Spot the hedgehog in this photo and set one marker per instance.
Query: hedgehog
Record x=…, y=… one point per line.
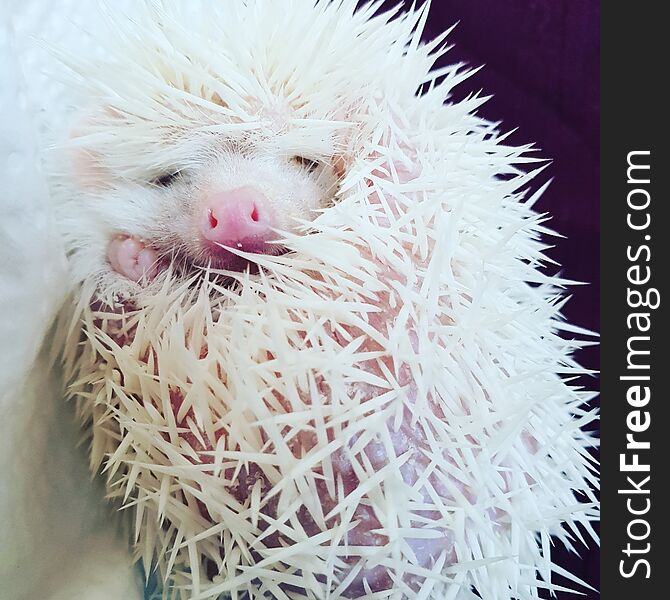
x=310, y=339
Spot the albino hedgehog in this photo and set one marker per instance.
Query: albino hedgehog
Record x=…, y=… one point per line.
x=311, y=340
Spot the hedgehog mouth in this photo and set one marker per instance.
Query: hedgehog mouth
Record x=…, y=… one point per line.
x=141, y=261
x=243, y=258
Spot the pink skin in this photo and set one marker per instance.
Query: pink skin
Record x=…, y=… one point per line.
x=132, y=259
x=239, y=218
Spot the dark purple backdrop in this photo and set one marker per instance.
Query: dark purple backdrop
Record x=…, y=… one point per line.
x=542, y=63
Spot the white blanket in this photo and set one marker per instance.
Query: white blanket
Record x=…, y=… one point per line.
x=57, y=541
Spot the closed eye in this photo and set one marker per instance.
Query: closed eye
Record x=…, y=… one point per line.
x=166, y=179
x=306, y=163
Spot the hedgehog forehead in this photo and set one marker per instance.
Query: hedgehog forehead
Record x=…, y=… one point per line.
x=286, y=77
x=178, y=133
x=135, y=148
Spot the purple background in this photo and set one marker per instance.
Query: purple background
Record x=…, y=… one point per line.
x=542, y=62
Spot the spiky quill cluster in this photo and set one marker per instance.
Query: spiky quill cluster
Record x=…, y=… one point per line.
x=383, y=412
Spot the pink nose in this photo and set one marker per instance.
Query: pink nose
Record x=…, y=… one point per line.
x=239, y=218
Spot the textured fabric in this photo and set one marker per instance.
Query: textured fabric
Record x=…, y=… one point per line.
x=56, y=544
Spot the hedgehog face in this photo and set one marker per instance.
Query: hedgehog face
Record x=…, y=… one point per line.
x=194, y=149
x=234, y=199
x=196, y=196
x=224, y=200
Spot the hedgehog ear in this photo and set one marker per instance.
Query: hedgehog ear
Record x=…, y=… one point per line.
x=85, y=160
x=88, y=169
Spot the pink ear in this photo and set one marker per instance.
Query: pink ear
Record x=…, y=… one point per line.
x=88, y=171
x=86, y=162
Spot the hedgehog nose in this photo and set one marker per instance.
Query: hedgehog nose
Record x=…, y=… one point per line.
x=239, y=218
